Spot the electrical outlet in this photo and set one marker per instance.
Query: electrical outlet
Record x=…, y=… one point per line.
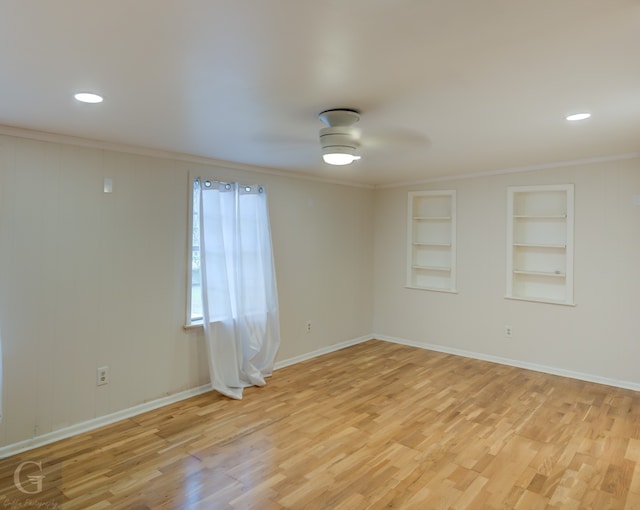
x=102, y=376
x=308, y=327
x=508, y=331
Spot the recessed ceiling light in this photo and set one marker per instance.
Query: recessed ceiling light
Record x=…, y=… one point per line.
x=88, y=97
x=579, y=116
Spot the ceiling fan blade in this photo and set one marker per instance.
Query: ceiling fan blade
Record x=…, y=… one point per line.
x=398, y=138
x=281, y=139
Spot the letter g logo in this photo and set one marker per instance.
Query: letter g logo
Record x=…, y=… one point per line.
x=33, y=479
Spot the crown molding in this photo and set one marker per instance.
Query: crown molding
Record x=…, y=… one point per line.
x=515, y=170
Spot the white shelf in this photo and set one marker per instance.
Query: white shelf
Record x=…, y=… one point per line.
x=540, y=217
x=434, y=289
x=540, y=243
x=536, y=245
x=540, y=273
x=540, y=300
x=431, y=240
x=433, y=268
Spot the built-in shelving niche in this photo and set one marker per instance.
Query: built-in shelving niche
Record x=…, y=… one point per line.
x=431, y=240
x=540, y=243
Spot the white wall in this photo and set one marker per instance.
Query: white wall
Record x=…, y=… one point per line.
x=600, y=336
x=90, y=279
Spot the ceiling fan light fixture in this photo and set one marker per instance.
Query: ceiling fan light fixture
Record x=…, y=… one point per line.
x=333, y=157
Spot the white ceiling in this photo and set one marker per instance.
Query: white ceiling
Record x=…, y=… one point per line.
x=445, y=87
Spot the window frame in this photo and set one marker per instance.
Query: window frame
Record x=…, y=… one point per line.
x=189, y=320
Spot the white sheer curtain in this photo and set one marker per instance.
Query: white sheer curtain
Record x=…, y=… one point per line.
x=1, y=376
x=239, y=294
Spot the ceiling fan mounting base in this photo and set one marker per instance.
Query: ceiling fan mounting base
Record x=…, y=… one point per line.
x=339, y=117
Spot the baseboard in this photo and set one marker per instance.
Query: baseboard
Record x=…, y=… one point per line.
x=101, y=421
x=88, y=425
x=515, y=363
x=324, y=350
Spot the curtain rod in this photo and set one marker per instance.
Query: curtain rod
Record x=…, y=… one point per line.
x=207, y=184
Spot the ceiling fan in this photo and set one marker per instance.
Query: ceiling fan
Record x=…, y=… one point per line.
x=342, y=143
x=339, y=139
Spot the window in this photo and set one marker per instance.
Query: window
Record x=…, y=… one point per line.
x=237, y=247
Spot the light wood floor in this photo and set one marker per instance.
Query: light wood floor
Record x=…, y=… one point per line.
x=377, y=425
